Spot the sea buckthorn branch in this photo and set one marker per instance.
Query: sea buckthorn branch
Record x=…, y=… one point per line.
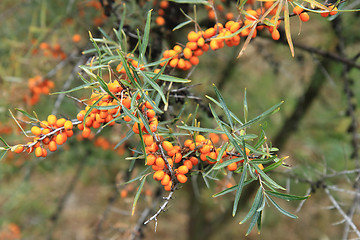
x=128, y=99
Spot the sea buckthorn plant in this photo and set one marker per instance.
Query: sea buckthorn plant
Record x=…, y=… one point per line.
x=130, y=83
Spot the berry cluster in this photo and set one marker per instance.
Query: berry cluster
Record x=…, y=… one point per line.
x=50, y=134
x=38, y=85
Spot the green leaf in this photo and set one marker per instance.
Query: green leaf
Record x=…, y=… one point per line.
x=231, y=139
x=232, y=114
x=254, y=220
x=168, y=78
x=287, y=28
x=231, y=189
x=146, y=124
x=239, y=189
x=265, y=114
x=128, y=113
x=223, y=106
x=26, y=114
x=1, y=139
x=182, y=25
x=2, y=155
x=286, y=213
x=274, y=165
x=227, y=162
x=155, y=86
x=138, y=195
x=257, y=202
x=287, y=197
x=86, y=85
x=267, y=178
x=200, y=129
x=145, y=39
x=245, y=107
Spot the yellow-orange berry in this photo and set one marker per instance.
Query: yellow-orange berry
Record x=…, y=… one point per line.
x=60, y=122
x=193, y=36
x=36, y=130
x=52, y=146
x=159, y=175
x=181, y=178
x=68, y=125
x=38, y=152
x=232, y=166
x=150, y=160
x=304, y=17
x=52, y=120
x=275, y=34
x=187, y=53
x=19, y=149
x=166, y=180
x=297, y=10
x=200, y=138
x=160, y=162
x=76, y=38
x=183, y=169
x=167, y=146
x=160, y=21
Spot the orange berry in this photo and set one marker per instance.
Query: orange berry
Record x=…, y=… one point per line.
x=160, y=162
x=177, y=157
x=194, y=160
x=59, y=139
x=29, y=149
x=183, y=169
x=275, y=34
x=194, y=60
x=80, y=115
x=52, y=146
x=86, y=132
x=51, y=120
x=44, y=152
x=76, y=38
x=167, y=146
x=168, y=187
x=150, y=159
x=187, y=53
x=188, y=164
x=159, y=175
x=123, y=193
x=19, y=149
x=205, y=149
x=232, y=166
x=214, y=138
x=181, y=178
x=297, y=10
x=229, y=16
x=160, y=21
x=304, y=17
x=166, y=180
x=148, y=139
x=60, y=122
x=200, y=138
x=36, y=130
x=68, y=125
x=150, y=113
x=209, y=32
x=334, y=11
x=38, y=152
x=188, y=142
x=164, y=4
x=193, y=36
